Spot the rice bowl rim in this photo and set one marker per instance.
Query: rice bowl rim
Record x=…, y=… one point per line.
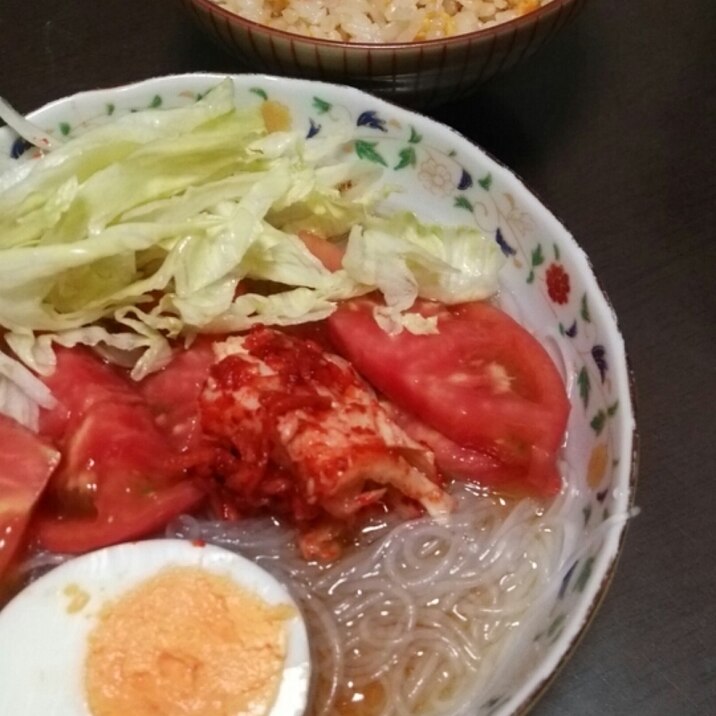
x=385, y=47
x=546, y=670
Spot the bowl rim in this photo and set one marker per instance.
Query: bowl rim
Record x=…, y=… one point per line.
x=543, y=686
x=534, y=686
x=532, y=17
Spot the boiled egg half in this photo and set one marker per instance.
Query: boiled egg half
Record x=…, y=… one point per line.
x=162, y=628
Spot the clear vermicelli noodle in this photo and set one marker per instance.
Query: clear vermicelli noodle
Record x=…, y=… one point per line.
x=417, y=617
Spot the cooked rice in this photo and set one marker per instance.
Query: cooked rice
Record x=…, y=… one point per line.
x=380, y=20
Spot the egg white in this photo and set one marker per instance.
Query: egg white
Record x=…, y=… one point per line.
x=43, y=646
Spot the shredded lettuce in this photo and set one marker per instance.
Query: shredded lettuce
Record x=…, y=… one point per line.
x=405, y=258
x=21, y=393
x=147, y=228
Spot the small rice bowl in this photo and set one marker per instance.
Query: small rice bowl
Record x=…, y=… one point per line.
x=380, y=21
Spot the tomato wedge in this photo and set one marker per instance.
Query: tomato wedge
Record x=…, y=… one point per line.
x=26, y=463
x=330, y=255
x=482, y=381
x=120, y=518
x=119, y=478
x=464, y=463
x=124, y=464
x=173, y=394
x=79, y=381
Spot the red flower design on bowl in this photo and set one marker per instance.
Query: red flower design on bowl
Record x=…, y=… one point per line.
x=558, y=283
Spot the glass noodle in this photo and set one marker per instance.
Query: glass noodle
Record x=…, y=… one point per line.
x=418, y=617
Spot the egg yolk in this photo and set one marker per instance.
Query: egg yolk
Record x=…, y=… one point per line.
x=77, y=597
x=186, y=642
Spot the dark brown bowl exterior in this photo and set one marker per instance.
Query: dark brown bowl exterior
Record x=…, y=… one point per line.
x=415, y=74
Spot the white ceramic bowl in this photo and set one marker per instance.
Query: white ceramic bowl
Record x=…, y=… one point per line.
x=548, y=281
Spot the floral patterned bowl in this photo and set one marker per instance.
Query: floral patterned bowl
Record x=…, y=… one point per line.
x=416, y=74
x=547, y=282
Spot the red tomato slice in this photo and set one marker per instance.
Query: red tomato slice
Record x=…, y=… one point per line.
x=119, y=477
x=113, y=444
x=102, y=427
x=26, y=463
x=330, y=255
x=81, y=380
x=173, y=394
x=482, y=381
x=466, y=463
x=120, y=518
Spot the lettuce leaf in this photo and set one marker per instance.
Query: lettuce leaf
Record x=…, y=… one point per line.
x=29, y=190
x=405, y=258
x=21, y=393
x=167, y=223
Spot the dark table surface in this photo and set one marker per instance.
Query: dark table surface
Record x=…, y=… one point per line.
x=614, y=126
